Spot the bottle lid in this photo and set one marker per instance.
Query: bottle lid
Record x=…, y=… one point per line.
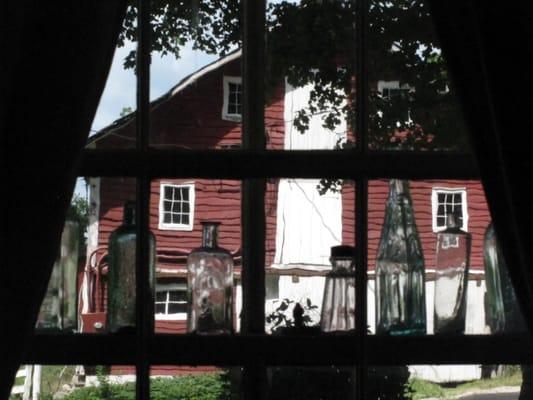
x=343, y=251
x=207, y=222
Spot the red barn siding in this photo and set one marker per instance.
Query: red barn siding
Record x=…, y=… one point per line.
x=479, y=216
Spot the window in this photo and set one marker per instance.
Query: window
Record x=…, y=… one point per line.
x=446, y=201
x=176, y=206
x=254, y=165
x=171, y=301
x=232, y=106
x=391, y=89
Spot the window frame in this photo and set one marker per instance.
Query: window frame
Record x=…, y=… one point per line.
x=192, y=198
x=168, y=287
x=435, y=191
x=226, y=115
x=252, y=350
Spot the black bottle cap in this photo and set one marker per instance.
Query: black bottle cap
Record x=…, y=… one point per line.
x=343, y=251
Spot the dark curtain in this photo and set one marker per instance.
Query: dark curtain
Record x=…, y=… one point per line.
x=489, y=47
x=55, y=57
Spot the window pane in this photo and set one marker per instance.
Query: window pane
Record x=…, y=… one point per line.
x=311, y=383
x=195, y=50
x=113, y=126
x=74, y=382
x=469, y=382
x=462, y=284
x=305, y=218
x=207, y=200
x=405, y=55
x=309, y=83
x=94, y=270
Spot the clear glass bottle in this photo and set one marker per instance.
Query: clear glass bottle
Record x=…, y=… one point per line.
x=501, y=307
x=59, y=308
x=451, y=281
x=338, y=304
x=121, y=291
x=400, y=274
x=210, y=285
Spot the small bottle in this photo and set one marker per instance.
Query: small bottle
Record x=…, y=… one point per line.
x=121, y=288
x=400, y=272
x=338, y=304
x=210, y=285
x=451, y=281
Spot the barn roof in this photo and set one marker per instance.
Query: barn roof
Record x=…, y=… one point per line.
x=181, y=85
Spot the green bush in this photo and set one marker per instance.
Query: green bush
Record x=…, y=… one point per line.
x=212, y=386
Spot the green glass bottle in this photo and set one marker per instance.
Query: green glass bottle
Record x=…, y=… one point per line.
x=501, y=307
x=121, y=289
x=400, y=273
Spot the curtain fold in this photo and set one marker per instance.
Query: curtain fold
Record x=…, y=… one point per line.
x=55, y=61
x=488, y=46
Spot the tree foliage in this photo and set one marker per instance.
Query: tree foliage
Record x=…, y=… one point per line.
x=313, y=42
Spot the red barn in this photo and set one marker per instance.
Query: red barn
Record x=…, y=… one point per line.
x=203, y=111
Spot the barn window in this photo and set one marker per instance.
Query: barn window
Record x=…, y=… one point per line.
x=176, y=207
x=391, y=89
x=171, y=300
x=232, y=107
x=447, y=201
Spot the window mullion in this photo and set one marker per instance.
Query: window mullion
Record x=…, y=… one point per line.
x=144, y=300
x=361, y=193
x=253, y=196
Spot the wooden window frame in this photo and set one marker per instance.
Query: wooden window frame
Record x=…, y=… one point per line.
x=435, y=204
x=226, y=115
x=192, y=198
x=252, y=349
x=168, y=287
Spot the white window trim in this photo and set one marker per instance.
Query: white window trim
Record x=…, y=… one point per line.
x=225, y=115
x=434, y=206
x=165, y=288
x=176, y=227
x=391, y=85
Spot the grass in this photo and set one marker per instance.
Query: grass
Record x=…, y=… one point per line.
x=423, y=389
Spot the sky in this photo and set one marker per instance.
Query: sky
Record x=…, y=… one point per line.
x=165, y=72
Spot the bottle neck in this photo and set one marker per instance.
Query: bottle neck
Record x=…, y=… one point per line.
x=129, y=214
x=210, y=235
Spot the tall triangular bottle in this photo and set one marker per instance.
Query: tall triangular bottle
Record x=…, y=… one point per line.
x=400, y=272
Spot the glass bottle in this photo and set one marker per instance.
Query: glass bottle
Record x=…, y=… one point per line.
x=400, y=274
x=451, y=281
x=59, y=308
x=121, y=291
x=338, y=304
x=501, y=307
x=210, y=285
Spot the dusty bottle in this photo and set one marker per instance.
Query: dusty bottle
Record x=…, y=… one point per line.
x=210, y=285
x=338, y=304
x=121, y=289
x=451, y=281
x=400, y=274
